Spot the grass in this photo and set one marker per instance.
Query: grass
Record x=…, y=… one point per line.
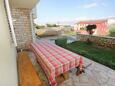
x=61, y=41
x=104, y=56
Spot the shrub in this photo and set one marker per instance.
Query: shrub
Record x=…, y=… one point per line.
x=112, y=32
x=82, y=28
x=90, y=28
x=52, y=25
x=39, y=26
x=61, y=42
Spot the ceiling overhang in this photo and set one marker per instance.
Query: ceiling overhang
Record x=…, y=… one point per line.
x=23, y=3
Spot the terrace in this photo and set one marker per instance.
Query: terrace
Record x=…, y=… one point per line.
x=97, y=74
x=16, y=21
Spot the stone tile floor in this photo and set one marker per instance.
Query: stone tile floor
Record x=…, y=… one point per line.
x=95, y=75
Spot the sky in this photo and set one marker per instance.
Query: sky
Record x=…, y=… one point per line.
x=51, y=11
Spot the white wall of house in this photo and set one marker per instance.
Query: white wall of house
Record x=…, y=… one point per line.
x=8, y=66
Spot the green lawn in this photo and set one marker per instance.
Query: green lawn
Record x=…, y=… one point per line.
x=102, y=55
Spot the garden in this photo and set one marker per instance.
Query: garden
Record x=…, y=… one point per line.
x=91, y=50
x=99, y=54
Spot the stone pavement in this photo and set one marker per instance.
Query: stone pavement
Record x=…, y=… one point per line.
x=95, y=75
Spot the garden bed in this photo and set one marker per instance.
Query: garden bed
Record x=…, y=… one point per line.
x=104, y=56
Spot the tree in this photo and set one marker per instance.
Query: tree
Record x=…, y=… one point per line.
x=89, y=29
x=39, y=26
x=112, y=32
x=52, y=25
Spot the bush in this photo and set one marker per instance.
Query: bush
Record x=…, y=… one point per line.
x=39, y=26
x=112, y=32
x=90, y=28
x=61, y=42
x=82, y=28
x=52, y=25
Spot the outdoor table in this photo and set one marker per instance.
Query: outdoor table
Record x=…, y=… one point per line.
x=55, y=60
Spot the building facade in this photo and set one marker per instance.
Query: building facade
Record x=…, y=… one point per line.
x=16, y=23
x=101, y=30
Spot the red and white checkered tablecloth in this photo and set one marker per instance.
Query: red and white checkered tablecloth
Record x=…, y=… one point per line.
x=54, y=59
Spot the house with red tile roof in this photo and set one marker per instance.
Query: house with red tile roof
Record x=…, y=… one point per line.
x=102, y=27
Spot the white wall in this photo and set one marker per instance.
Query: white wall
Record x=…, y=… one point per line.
x=8, y=67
